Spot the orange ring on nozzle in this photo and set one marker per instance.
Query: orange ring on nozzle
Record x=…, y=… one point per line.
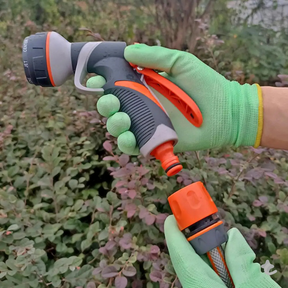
x=170, y=162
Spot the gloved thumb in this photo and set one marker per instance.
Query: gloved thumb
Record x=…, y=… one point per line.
x=239, y=258
x=159, y=58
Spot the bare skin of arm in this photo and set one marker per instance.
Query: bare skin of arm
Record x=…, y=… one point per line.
x=275, y=113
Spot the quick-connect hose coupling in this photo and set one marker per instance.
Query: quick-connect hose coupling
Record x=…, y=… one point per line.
x=197, y=218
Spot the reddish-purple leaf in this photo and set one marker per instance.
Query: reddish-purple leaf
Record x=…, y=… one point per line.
x=179, y=179
x=91, y=285
x=123, y=159
x=110, y=245
x=143, y=213
x=155, y=276
x=103, y=250
x=142, y=171
x=107, y=146
x=251, y=218
x=120, y=183
x=144, y=181
x=154, y=249
x=120, y=173
x=150, y=186
x=279, y=181
x=258, y=150
x=271, y=175
x=125, y=243
x=132, y=194
x=127, y=236
x=263, y=199
x=97, y=271
x=103, y=263
x=109, y=272
x=150, y=219
x=262, y=233
x=131, y=209
x=257, y=203
x=137, y=283
x=234, y=162
x=100, y=209
x=129, y=271
x=222, y=171
x=131, y=184
x=160, y=218
x=109, y=158
x=255, y=173
x=121, y=282
x=187, y=182
x=123, y=190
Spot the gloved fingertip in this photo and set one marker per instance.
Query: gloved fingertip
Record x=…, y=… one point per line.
x=118, y=123
x=95, y=82
x=108, y=105
x=127, y=142
x=134, y=47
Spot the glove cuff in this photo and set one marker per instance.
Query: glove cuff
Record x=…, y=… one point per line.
x=246, y=115
x=260, y=117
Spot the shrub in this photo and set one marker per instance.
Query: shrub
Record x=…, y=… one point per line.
x=75, y=212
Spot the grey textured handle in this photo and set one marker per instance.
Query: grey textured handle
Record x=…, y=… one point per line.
x=81, y=70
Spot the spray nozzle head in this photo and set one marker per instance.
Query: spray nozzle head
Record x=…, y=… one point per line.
x=170, y=163
x=46, y=59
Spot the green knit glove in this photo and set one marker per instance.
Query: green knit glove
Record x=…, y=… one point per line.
x=230, y=110
x=194, y=272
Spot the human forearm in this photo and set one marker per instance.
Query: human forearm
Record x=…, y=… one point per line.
x=275, y=117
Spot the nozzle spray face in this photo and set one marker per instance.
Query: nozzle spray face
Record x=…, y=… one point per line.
x=46, y=59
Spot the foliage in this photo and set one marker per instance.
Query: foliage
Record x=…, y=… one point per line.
x=74, y=212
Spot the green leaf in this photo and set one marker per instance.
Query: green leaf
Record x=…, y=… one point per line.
x=112, y=198
x=18, y=235
x=13, y=227
x=73, y=184
x=61, y=248
x=103, y=235
x=76, y=237
x=12, y=171
x=51, y=229
x=3, y=267
x=2, y=274
x=85, y=244
x=75, y=261
x=283, y=255
x=61, y=262
x=147, y=265
x=78, y=205
x=12, y=198
x=55, y=171
x=46, y=153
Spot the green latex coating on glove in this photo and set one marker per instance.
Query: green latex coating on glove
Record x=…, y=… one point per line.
x=96, y=82
x=194, y=272
x=118, y=123
x=127, y=143
x=230, y=110
x=108, y=105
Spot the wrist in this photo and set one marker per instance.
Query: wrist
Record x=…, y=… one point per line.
x=275, y=117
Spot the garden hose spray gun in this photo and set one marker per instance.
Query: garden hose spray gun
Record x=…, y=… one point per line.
x=49, y=60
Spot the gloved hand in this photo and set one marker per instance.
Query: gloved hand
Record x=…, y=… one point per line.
x=230, y=110
x=194, y=272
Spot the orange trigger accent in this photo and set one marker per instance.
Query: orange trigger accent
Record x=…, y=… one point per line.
x=174, y=94
x=139, y=88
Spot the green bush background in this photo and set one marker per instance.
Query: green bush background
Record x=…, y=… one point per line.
x=75, y=214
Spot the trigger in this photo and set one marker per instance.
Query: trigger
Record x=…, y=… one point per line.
x=183, y=102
